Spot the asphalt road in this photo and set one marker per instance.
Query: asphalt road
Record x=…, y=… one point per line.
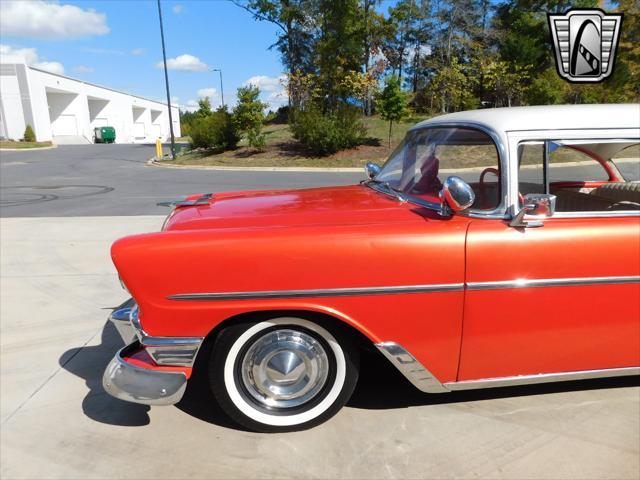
x=58, y=287
x=96, y=180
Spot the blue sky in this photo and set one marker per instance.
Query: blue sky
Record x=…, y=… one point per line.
x=117, y=44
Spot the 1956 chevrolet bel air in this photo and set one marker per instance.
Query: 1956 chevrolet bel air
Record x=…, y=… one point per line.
x=495, y=247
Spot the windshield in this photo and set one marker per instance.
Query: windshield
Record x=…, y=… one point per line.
x=426, y=157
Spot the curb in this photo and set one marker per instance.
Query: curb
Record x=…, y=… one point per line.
x=27, y=149
x=154, y=163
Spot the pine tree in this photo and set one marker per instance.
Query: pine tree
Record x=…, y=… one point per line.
x=392, y=102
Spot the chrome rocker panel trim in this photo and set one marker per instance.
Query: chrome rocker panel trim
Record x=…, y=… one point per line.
x=542, y=378
x=425, y=381
x=411, y=368
x=174, y=351
x=140, y=385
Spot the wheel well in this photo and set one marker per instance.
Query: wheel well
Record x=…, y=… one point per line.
x=359, y=340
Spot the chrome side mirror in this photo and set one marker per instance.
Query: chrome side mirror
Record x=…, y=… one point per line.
x=457, y=194
x=372, y=169
x=539, y=206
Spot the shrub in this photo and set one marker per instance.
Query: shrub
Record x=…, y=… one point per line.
x=29, y=136
x=215, y=131
x=327, y=133
x=248, y=115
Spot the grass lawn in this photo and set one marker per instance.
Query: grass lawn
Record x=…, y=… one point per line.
x=282, y=150
x=11, y=144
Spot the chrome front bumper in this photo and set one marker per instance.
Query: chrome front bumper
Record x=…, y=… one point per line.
x=129, y=382
x=150, y=386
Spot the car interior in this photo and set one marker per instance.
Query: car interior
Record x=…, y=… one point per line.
x=584, y=177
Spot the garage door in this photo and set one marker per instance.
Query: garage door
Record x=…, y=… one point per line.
x=138, y=130
x=65, y=125
x=156, y=130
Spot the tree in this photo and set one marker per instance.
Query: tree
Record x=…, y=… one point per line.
x=454, y=88
x=338, y=49
x=295, y=22
x=392, y=102
x=204, y=107
x=29, y=136
x=507, y=81
x=248, y=115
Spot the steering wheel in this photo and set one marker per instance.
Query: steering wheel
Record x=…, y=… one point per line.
x=481, y=184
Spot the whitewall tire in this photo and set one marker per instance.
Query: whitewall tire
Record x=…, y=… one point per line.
x=282, y=374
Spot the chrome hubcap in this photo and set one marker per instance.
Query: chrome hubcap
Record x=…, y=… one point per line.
x=284, y=369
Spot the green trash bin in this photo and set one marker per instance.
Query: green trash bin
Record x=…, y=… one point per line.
x=104, y=134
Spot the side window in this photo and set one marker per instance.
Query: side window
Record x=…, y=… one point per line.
x=531, y=162
x=479, y=166
x=570, y=163
x=627, y=161
x=585, y=177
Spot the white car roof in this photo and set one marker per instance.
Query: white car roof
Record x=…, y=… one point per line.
x=551, y=117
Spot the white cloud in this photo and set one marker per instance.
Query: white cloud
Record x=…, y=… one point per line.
x=185, y=62
x=83, y=69
x=267, y=84
x=49, y=20
x=273, y=89
x=30, y=57
x=27, y=55
x=207, y=92
x=423, y=50
x=136, y=52
x=53, y=67
x=191, y=106
x=177, y=9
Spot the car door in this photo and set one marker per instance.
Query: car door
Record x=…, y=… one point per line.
x=563, y=297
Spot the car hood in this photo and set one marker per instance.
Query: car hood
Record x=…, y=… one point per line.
x=355, y=204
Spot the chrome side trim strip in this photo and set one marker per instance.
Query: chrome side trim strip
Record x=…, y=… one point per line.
x=395, y=290
x=541, y=378
x=411, y=368
x=330, y=292
x=552, y=282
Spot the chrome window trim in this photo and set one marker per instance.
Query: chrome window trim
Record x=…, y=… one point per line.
x=501, y=211
x=601, y=214
x=522, y=137
x=552, y=282
x=330, y=292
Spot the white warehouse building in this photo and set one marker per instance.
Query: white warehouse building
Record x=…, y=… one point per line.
x=64, y=110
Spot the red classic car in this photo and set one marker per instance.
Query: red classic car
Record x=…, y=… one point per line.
x=495, y=247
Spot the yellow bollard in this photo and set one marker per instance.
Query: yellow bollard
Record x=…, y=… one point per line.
x=159, y=153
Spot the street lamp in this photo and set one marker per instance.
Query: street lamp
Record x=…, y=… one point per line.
x=166, y=81
x=221, y=89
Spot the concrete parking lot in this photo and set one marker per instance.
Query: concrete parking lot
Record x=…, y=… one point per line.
x=58, y=286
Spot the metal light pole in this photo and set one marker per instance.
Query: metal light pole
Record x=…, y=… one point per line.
x=221, y=89
x=166, y=81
